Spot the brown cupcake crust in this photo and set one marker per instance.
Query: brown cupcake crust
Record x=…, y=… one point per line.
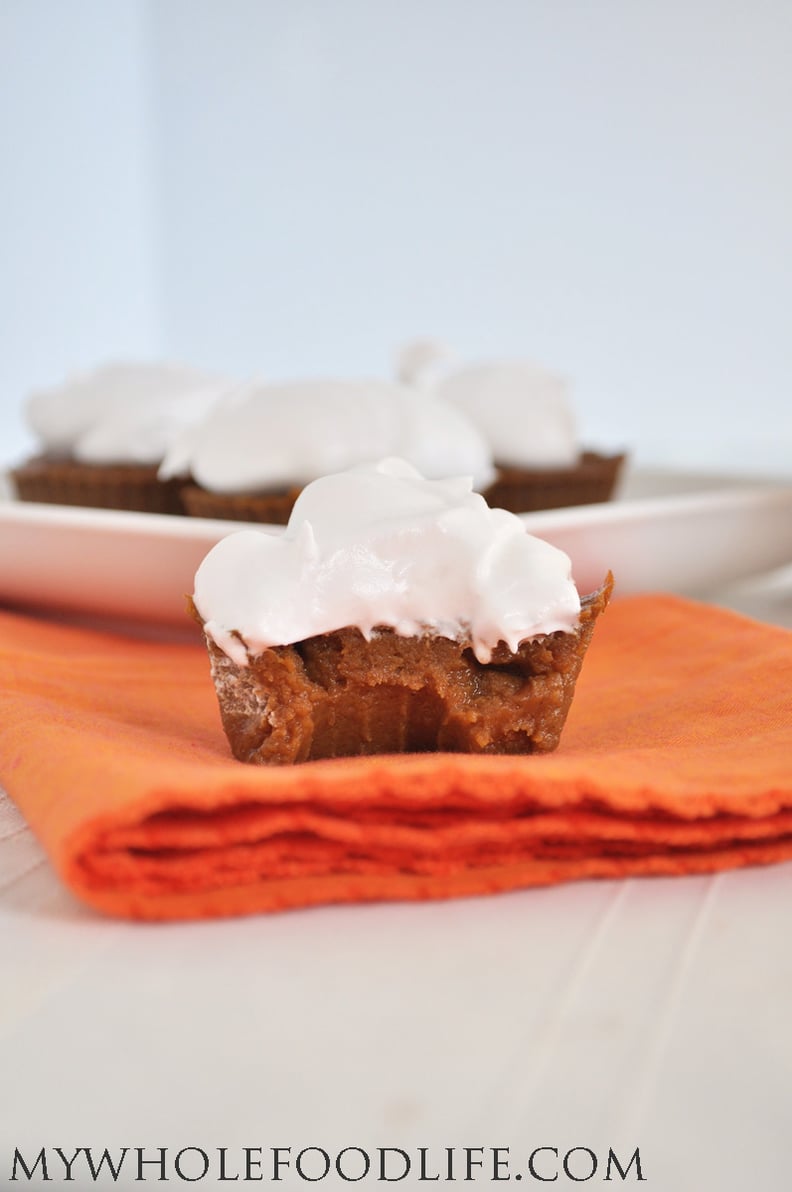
x=98, y=486
x=520, y=490
x=525, y=490
x=266, y=508
x=338, y=695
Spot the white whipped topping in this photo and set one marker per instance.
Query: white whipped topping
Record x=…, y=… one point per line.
x=121, y=413
x=382, y=546
x=522, y=410
x=274, y=436
x=421, y=361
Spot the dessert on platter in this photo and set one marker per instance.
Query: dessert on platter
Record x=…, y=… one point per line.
x=104, y=433
x=527, y=419
x=394, y=614
x=253, y=452
x=172, y=439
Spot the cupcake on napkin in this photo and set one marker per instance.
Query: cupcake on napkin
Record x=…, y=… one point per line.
x=395, y=614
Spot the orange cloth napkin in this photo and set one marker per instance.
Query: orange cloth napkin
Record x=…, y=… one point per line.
x=676, y=758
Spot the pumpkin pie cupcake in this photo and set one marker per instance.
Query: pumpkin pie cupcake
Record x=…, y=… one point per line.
x=394, y=614
x=103, y=435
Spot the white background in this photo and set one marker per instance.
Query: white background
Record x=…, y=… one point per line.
x=290, y=187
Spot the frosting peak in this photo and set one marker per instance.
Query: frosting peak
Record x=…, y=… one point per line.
x=522, y=410
x=377, y=546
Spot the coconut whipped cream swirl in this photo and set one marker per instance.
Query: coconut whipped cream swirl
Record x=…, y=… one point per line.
x=264, y=437
x=522, y=410
x=380, y=546
x=121, y=413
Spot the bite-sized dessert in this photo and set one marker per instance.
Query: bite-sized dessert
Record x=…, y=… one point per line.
x=103, y=435
x=525, y=414
x=394, y=614
x=253, y=453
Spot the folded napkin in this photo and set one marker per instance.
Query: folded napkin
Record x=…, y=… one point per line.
x=676, y=758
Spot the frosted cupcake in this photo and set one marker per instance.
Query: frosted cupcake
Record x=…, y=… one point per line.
x=252, y=453
x=394, y=614
x=103, y=435
x=525, y=414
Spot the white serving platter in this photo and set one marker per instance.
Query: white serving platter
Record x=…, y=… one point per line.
x=692, y=534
